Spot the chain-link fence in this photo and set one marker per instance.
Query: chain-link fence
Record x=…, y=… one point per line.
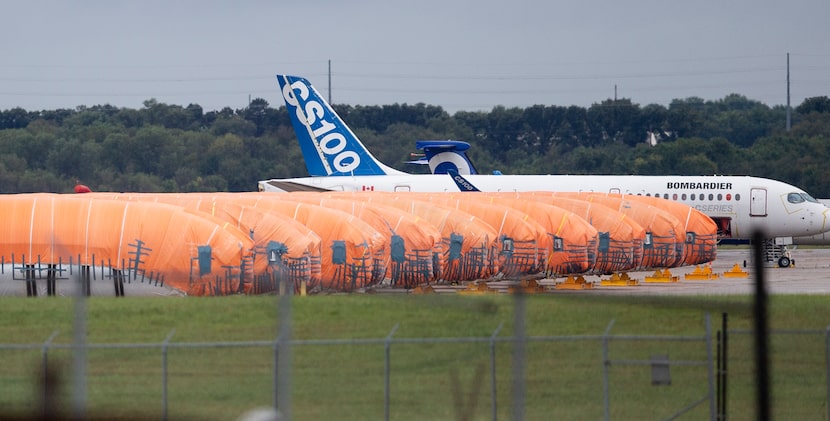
x=480, y=377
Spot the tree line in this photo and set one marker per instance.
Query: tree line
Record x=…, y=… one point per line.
x=170, y=148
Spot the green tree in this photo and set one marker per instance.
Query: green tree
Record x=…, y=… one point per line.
x=813, y=124
x=615, y=121
x=227, y=153
x=73, y=159
x=543, y=123
x=16, y=118
x=816, y=104
x=686, y=116
x=696, y=164
x=233, y=124
x=169, y=116
x=257, y=113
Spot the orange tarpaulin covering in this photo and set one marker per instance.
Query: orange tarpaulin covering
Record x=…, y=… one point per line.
x=666, y=239
x=467, y=242
x=299, y=247
x=523, y=242
x=412, y=244
x=621, y=247
x=701, y=230
x=573, y=248
x=347, y=241
x=51, y=228
x=352, y=250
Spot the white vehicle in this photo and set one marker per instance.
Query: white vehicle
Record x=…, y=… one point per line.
x=740, y=205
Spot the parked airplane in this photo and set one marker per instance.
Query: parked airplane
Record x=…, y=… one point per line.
x=740, y=205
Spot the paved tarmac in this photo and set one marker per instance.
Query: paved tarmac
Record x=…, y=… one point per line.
x=809, y=275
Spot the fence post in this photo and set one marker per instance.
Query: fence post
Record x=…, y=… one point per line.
x=276, y=373
x=164, y=345
x=605, y=363
x=761, y=329
x=493, y=405
x=45, y=399
x=827, y=368
x=282, y=353
x=387, y=346
x=519, y=355
x=723, y=371
x=710, y=367
x=79, y=347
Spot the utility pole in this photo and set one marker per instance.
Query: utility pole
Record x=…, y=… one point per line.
x=330, y=81
x=789, y=110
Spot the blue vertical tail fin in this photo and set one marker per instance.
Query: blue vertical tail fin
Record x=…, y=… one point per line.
x=329, y=147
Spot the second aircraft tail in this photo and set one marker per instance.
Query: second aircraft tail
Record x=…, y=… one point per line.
x=446, y=155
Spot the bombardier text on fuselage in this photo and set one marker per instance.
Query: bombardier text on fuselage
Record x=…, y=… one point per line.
x=684, y=185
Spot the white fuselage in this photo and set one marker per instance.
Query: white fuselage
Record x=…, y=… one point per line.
x=820, y=239
x=746, y=204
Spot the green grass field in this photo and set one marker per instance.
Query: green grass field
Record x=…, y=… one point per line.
x=563, y=377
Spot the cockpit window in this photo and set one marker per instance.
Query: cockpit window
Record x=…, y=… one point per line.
x=795, y=198
x=809, y=198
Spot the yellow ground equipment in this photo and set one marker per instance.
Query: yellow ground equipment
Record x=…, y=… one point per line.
x=574, y=282
x=619, y=280
x=735, y=272
x=663, y=276
x=702, y=274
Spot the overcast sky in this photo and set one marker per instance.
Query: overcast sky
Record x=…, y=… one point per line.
x=461, y=55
